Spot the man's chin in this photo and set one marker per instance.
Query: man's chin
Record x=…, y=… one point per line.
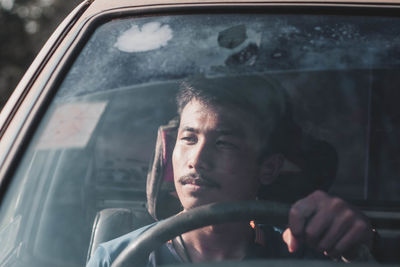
x=188, y=205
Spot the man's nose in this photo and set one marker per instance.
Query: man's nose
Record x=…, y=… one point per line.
x=200, y=158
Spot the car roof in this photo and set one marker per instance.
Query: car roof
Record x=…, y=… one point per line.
x=102, y=5
x=118, y=3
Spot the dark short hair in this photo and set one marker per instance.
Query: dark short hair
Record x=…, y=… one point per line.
x=257, y=95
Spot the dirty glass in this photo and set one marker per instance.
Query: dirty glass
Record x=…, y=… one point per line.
x=94, y=145
x=331, y=66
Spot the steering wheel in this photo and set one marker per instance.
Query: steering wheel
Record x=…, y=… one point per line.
x=136, y=253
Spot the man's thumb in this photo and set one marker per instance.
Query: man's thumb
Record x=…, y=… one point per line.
x=291, y=242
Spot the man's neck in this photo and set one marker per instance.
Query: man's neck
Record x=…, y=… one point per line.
x=218, y=242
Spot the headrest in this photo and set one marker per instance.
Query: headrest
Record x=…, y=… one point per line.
x=309, y=164
x=162, y=200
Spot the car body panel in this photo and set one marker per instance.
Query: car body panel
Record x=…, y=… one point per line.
x=31, y=98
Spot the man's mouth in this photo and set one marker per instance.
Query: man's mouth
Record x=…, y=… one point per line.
x=198, y=180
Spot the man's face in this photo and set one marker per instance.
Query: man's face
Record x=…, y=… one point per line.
x=216, y=155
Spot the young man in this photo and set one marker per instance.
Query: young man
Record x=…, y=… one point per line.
x=227, y=147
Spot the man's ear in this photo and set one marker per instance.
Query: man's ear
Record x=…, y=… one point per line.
x=270, y=168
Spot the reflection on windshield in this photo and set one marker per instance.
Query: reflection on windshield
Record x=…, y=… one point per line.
x=126, y=52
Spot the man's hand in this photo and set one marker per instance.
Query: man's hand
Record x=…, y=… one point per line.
x=328, y=224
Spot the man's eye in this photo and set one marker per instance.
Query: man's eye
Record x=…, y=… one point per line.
x=189, y=139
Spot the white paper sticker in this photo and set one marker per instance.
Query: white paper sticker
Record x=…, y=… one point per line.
x=149, y=37
x=71, y=125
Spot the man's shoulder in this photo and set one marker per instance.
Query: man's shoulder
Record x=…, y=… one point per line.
x=119, y=243
x=107, y=252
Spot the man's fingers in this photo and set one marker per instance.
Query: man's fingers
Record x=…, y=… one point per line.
x=328, y=224
x=351, y=240
x=291, y=241
x=337, y=230
x=317, y=227
x=301, y=212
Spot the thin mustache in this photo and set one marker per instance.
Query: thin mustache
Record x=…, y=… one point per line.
x=200, y=179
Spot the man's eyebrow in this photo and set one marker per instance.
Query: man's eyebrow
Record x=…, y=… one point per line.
x=189, y=129
x=237, y=132
x=230, y=131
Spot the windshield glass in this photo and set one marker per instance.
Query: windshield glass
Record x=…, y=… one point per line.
x=338, y=76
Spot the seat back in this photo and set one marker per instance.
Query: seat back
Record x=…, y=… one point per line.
x=162, y=200
x=113, y=222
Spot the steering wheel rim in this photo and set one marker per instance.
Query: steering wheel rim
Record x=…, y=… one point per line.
x=137, y=252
